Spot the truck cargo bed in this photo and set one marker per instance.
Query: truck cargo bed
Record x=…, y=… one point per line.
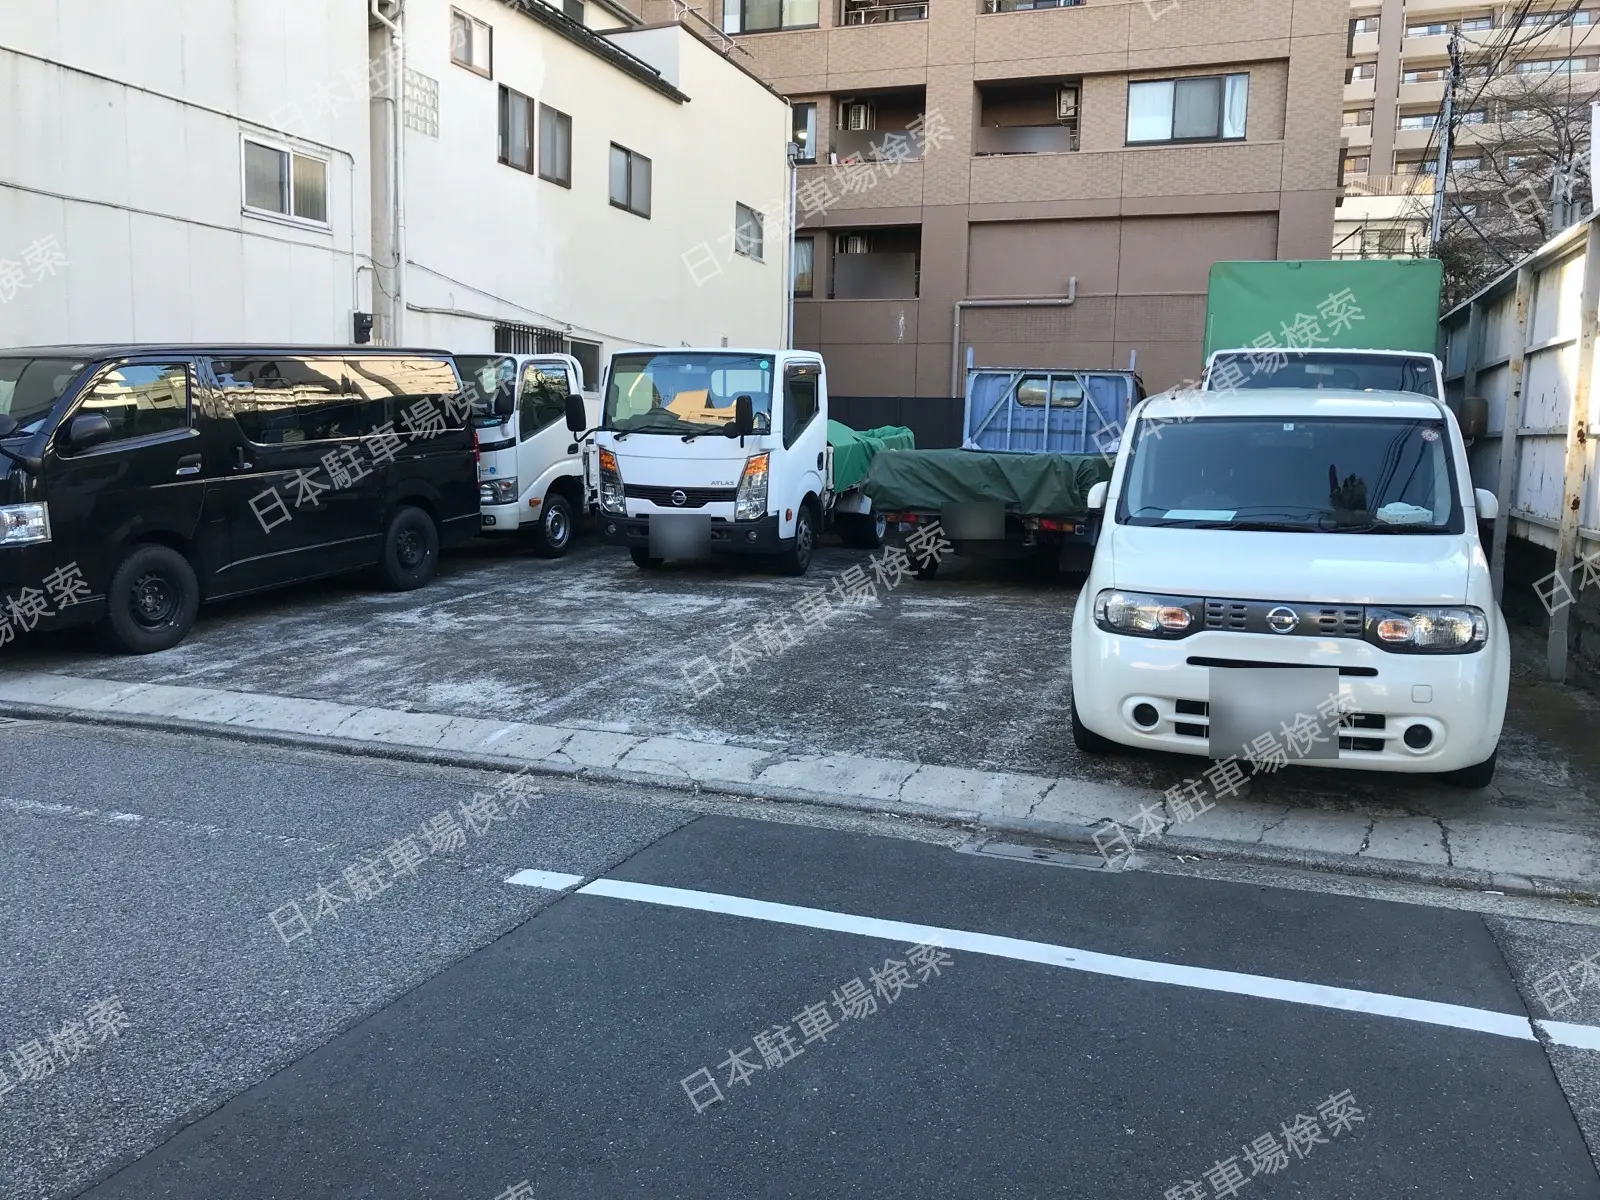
x=1029, y=485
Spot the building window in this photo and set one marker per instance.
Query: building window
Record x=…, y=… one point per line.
x=471, y=44
x=1466, y=164
x=748, y=237
x=573, y=9
x=284, y=182
x=1418, y=121
x=516, y=129
x=1361, y=70
x=630, y=181
x=1357, y=117
x=761, y=16
x=555, y=146
x=805, y=252
x=1206, y=109
x=1357, y=164
x=588, y=356
x=804, y=134
x=1364, y=25
x=1426, y=75
x=1004, y=6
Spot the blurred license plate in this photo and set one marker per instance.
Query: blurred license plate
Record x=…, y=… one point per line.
x=680, y=535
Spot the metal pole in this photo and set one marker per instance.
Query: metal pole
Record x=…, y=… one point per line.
x=1573, y=482
x=1510, y=422
x=1441, y=174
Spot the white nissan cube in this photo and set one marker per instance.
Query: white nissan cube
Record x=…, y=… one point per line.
x=1267, y=537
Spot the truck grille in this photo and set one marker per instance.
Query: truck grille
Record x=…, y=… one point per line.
x=693, y=497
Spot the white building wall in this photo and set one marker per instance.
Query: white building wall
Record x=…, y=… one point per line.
x=487, y=242
x=120, y=152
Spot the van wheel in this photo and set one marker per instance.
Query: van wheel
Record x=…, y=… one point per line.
x=152, y=601
x=797, y=559
x=410, y=550
x=642, y=559
x=1087, y=740
x=552, y=536
x=1479, y=776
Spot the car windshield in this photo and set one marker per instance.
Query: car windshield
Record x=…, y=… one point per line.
x=1276, y=368
x=30, y=387
x=1329, y=475
x=482, y=375
x=687, y=392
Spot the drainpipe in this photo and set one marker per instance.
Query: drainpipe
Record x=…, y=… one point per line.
x=1021, y=302
x=397, y=58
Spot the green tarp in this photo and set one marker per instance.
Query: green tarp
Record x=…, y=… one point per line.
x=1031, y=485
x=853, y=450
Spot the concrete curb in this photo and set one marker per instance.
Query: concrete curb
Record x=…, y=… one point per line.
x=1391, y=870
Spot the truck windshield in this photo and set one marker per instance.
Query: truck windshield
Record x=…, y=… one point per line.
x=30, y=387
x=483, y=375
x=686, y=391
x=1331, y=475
x=1356, y=372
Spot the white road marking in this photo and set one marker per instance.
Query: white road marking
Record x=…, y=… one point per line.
x=1584, y=1037
x=1405, y=1008
x=552, y=881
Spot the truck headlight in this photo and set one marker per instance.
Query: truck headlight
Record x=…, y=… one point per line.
x=611, y=495
x=750, y=502
x=1144, y=615
x=21, y=524
x=1454, y=630
x=497, y=491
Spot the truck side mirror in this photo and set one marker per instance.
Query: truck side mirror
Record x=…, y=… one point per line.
x=1474, y=416
x=577, y=415
x=505, y=401
x=744, y=418
x=88, y=429
x=1097, y=497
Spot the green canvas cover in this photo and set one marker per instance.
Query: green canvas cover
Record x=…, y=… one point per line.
x=853, y=449
x=1030, y=485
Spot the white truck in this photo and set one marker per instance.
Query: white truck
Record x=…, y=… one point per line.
x=1325, y=369
x=702, y=452
x=530, y=468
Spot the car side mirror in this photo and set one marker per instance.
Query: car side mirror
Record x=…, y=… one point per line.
x=8, y=425
x=1097, y=496
x=1487, y=503
x=1474, y=417
x=744, y=416
x=577, y=414
x=88, y=429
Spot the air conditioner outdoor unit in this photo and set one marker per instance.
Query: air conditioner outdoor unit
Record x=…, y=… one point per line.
x=857, y=116
x=1067, y=104
x=855, y=243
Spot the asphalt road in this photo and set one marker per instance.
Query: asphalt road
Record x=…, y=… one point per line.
x=455, y=1035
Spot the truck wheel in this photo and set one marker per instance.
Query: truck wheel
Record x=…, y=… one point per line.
x=927, y=568
x=152, y=601
x=862, y=530
x=797, y=559
x=1087, y=740
x=410, y=550
x=1479, y=776
x=642, y=559
x=552, y=536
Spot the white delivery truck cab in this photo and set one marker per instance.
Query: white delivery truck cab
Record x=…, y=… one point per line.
x=704, y=452
x=530, y=470
x=1260, y=542
x=1324, y=368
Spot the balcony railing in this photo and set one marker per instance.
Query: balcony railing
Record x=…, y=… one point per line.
x=879, y=12
x=1390, y=185
x=1025, y=139
x=1005, y=6
x=877, y=145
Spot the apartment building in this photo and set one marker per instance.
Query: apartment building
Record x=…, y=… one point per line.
x=1041, y=183
x=467, y=174
x=1395, y=80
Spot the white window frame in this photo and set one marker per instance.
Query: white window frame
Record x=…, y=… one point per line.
x=287, y=217
x=477, y=26
x=741, y=245
x=1227, y=81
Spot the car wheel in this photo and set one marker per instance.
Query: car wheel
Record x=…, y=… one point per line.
x=410, y=550
x=152, y=601
x=552, y=536
x=797, y=559
x=642, y=559
x=1478, y=776
x=1087, y=740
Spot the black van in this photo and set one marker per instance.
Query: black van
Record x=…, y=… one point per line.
x=137, y=481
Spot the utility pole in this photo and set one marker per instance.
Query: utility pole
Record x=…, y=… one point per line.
x=1441, y=173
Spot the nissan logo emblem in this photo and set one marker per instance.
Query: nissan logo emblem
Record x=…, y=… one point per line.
x=1282, y=620
x=680, y=497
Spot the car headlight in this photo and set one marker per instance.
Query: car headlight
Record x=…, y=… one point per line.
x=1144, y=615
x=612, y=499
x=22, y=524
x=750, y=502
x=1455, y=630
x=497, y=491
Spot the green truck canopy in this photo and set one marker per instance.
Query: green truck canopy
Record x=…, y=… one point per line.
x=1393, y=304
x=1030, y=485
x=853, y=449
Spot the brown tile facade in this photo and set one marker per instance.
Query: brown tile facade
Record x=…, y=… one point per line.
x=1137, y=227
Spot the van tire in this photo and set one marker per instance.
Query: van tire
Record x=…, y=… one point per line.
x=410, y=550
x=152, y=601
x=864, y=531
x=642, y=559
x=1477, y=776
x=552, y=535
x=1087, y=740
x=797, y=559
